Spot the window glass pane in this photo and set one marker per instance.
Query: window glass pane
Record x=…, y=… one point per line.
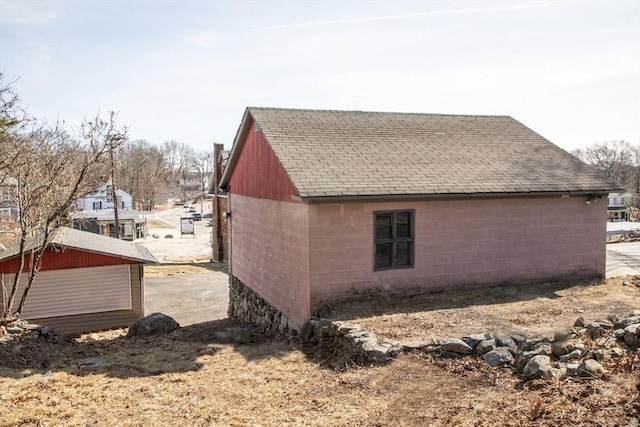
x=403, y=253
x=383, y=226
x=383, y=254
x=403, y=224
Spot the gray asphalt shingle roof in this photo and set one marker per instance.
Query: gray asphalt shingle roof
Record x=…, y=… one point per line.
x=358, y=153
x=89, y=242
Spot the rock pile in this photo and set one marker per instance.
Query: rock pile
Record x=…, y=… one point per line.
x=342, y=344
x=576, y=352
x=21, y=328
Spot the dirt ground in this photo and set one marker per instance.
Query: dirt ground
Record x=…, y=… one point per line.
x=196, y=376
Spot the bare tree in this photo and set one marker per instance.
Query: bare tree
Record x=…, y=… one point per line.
x=55, y=170
x=613, y=157
x=141, y=172
x=202, y=163
x=12, y=121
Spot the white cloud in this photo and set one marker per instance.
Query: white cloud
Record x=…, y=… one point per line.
x=27, y=12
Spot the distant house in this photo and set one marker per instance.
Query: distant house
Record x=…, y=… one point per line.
x=86, y=283
x=619, y=206
x=102, y=198
x=8, y=205
x=326, y=206
x=133, y=224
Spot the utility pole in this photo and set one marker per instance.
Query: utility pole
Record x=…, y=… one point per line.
x=114, y=192
x=217, y=241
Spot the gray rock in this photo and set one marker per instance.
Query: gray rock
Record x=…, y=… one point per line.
x=485, y=346
x=595, y=330
x=572, y=369
x=560, y=348
x=45, y=330
x=415, y=346
x=574, y=355
x=501, y=356
x=95, y=363
x=563, y=335
x=454, y=345
x=378, y=352
x=506, y=341
x=631, y=333
x=532, y=343
x=627, y=321
x=474, y=339
x=14, y=330
x=590, y=369
x=543, y=348
x=154, y=323
x=538, y=367
x=579, y=323
x=518, y=339
x=619, y=334
x=606, y=341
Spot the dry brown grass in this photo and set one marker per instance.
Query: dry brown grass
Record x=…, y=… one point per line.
x=177, y=269
x=190, y=377
x=533, y=309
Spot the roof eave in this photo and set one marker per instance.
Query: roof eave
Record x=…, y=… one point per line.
x=451, y=196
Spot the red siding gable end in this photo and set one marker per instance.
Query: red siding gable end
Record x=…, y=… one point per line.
x=258, y=172
x=64, y=258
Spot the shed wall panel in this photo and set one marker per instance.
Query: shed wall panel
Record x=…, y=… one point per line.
x=90, y=322
x=259, y=173
x=76, y=291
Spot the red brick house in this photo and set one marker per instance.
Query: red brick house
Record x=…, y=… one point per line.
x=86, y=282
x=331, y=205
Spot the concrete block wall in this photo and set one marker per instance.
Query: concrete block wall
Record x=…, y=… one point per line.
x=270, y=253
x=458, y=243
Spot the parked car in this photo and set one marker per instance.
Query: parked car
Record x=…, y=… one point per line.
x=192, y=209
x=210, y=223
x=197, y=216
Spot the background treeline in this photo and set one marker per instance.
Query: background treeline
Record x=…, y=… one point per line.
x=152, y=174
x=619, y=159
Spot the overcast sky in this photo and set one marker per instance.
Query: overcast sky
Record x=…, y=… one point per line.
x=186, y=70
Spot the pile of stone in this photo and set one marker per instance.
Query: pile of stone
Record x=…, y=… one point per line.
x=19, y=329
x=576, y=352
x=342, y=344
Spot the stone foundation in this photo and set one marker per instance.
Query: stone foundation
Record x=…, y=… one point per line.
x=247, y=306
x=341, y=344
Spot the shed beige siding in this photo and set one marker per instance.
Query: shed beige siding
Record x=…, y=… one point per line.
x=106, y=319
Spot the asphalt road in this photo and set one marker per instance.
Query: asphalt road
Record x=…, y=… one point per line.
x=189, y=298
x=623, y=259
x=180, y=248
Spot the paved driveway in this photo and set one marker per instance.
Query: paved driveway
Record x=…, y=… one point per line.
x=189, y=298
x=623, y=259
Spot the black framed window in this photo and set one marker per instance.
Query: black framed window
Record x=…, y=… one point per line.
x=394, y=242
